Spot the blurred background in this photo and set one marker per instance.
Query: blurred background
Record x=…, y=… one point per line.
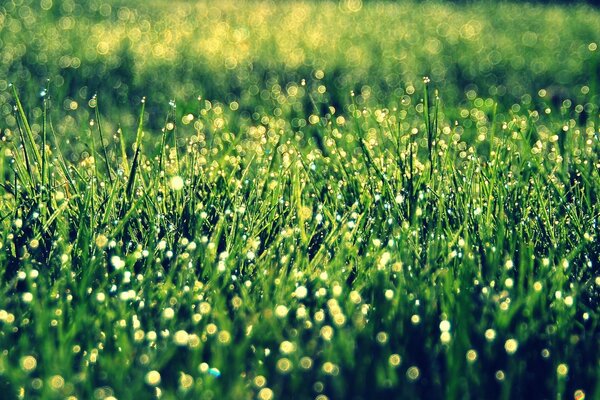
x=261, y=53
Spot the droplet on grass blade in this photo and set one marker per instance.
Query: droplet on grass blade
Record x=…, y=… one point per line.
x=511, y=346
x=413, y=373
x=176, y=183
x=153, y=378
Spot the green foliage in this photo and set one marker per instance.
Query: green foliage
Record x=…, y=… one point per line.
x=321, y=222
x=400, y=253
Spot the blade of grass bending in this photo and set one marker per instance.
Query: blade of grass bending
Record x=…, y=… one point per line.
x=428, y=126
x=25, y=154
x=17, y=154
x=138, y=143
x=123, y=151
x=44, y=140
x=36, y=151
x=105, y=153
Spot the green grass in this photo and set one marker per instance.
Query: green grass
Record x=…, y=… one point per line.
x=331, y=227
x=370, y=253
x=241, y=50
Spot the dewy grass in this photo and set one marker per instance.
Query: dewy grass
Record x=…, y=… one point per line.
x=245, y=260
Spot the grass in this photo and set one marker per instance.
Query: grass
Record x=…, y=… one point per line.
x=240, y=50
x=395, y=248
x=285, y=236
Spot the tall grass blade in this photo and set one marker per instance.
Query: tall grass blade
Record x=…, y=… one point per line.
x=138, y=145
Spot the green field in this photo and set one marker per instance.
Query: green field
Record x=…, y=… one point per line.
x=299, y=200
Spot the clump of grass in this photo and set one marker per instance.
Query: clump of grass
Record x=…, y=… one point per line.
x=402, y=253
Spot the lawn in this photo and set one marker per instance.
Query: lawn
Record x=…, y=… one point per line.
x=313, y=199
